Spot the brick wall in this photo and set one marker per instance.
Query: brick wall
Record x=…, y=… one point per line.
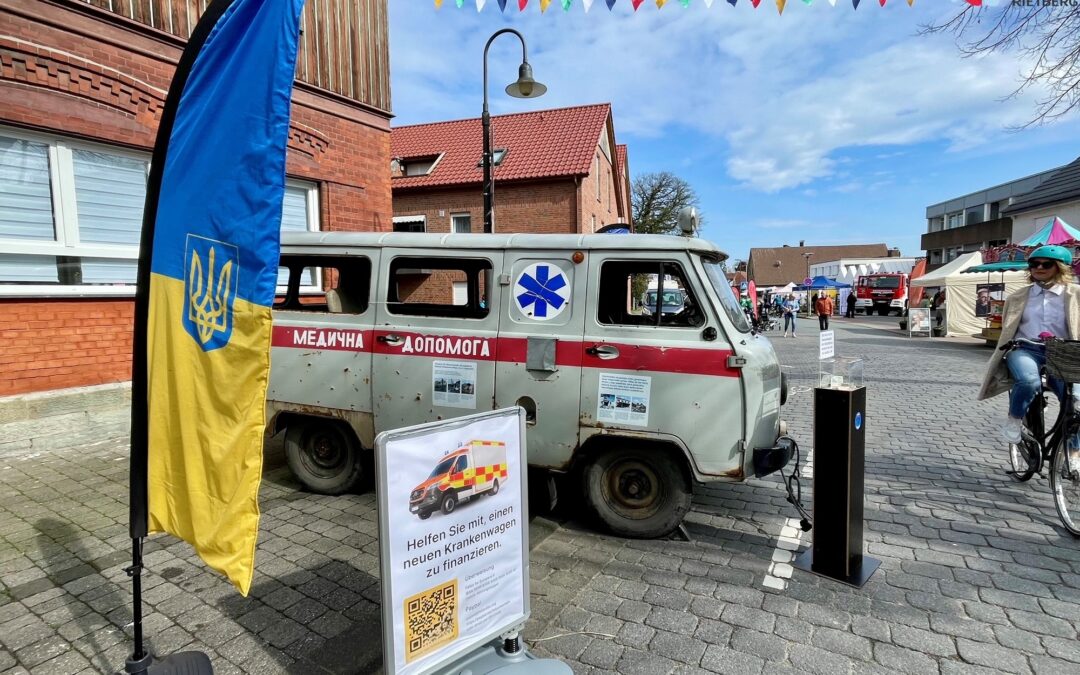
x=548, y=207
x=54, y=344
x=74, y=74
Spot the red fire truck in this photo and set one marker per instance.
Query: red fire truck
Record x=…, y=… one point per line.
x=883, y=293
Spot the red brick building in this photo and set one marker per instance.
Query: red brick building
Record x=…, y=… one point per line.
x=82, y=85
x=556, y=170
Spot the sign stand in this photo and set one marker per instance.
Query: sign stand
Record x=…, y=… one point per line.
x=454, y=547
x=919, y=322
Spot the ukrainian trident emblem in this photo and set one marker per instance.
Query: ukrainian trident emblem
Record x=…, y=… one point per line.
x=209, y=290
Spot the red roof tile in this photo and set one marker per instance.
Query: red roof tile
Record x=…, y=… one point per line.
x=541, y=144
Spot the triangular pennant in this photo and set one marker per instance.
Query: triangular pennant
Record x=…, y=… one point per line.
x=808, y=1
x=637, y=3
x=708, y=4
x=883, y=2
x=685, y=3
x=544, y=5
x=780, y=6
x=566, y=5
x=910, y=3
x=588, y=4
x=832, y=2
x=522, y=4
x=976, y=3
x=610, y=4
x=855, y=4
x=460, y=3
x=438, y=4
x=732, y=2
x=660, y=3
x=480, y=5
x=755, y=3
x=502, y=5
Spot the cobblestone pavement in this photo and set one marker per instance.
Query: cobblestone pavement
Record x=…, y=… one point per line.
x=976, y=574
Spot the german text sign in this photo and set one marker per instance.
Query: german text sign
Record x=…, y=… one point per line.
x=453, y=537
x=826, y=345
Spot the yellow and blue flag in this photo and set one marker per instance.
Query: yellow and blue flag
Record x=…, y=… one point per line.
x=207, y=278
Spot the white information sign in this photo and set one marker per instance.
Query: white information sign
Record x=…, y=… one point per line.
x=453, y=537
x=453, y=384
x=623, y=399
x=919, y=321
x=826, y=345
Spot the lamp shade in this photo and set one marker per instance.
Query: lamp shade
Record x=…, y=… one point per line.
x=526, y=86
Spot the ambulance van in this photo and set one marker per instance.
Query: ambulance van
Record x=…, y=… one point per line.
x=476, y=468
x=377, y=331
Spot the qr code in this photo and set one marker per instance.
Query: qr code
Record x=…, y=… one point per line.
x=431, y=619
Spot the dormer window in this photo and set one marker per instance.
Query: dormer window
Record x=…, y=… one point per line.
x=414, y=166
x=496, y=157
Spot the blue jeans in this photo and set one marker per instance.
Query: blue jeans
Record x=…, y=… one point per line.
x=1024, y=364
x=789, y=319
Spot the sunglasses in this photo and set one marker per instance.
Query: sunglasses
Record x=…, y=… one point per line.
x=1042, y=264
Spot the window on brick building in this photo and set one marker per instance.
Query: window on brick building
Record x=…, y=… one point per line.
x=460, y=223
x=410, y=223
x=71, y=215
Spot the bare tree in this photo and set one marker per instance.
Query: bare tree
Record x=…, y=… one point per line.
x=658, y=198
x=1045, y=35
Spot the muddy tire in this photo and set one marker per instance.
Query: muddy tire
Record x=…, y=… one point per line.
x=448, y=502
x=638, y=492
x=323, y=455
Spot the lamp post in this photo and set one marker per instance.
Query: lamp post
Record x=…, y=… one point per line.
x=807, y=256
x=525, y=87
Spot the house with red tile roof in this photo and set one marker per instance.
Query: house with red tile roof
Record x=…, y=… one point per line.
x=556, y=171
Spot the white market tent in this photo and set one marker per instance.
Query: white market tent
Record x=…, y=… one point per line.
x=960, y=291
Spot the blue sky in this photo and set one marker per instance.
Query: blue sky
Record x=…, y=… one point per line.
x=824, y=124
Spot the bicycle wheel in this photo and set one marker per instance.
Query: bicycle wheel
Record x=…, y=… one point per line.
x=1024, y=458
x=1065, y=486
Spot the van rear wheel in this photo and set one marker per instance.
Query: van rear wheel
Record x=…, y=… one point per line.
x=637, y=492
x=323, y=456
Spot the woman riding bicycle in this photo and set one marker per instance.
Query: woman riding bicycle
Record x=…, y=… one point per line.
x=1049, y=307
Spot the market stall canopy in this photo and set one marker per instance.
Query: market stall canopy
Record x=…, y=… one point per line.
x=1005, y=266
x=821, y=283
x=938, y=276
x=1055, y=231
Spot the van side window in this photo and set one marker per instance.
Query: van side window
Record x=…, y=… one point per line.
x=646, y=293
x=442, y=287
x=323, y=283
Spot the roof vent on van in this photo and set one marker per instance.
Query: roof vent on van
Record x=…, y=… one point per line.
x=688, y=221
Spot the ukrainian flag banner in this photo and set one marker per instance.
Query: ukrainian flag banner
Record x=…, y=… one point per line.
x=211, y=227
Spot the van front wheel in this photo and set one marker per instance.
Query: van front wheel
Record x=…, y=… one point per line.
x=637, y=492
x=323, y=456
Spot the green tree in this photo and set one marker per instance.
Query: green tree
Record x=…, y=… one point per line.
x=1045, y=35
x=657, y=200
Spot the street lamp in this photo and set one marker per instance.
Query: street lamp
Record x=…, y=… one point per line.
x=525, y=87
x=807, y=256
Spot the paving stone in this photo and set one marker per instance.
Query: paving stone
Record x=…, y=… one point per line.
x=820, y=661
x=842, y=642
x=904, y=660
x=730, y=662
x=927, y=642
x=766, y=645
x=679, y=648
x=636, y=662
x=991, y=656
x=602, y=654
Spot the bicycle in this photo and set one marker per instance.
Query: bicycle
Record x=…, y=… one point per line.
x=1039, y=445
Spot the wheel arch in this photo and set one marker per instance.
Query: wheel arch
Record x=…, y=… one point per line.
x=599, y=443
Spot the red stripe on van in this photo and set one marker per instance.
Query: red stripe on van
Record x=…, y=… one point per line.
x=307, y=337
x=568, y=353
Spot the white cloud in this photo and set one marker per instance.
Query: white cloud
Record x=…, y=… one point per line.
x=779, y=97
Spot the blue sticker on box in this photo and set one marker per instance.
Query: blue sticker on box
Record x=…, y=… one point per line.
x=858, y=420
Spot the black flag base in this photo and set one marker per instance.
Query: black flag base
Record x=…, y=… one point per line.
x=181, y=663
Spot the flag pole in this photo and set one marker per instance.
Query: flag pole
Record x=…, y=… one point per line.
x=140, y=660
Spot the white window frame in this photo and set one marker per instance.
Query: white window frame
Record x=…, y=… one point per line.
x=453, y=226
x=67, y=243
x=312, y=226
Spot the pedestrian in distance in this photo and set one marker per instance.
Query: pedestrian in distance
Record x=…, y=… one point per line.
x=1050, y=306
x=823, y=307
x=850, y=314
x=790, y=307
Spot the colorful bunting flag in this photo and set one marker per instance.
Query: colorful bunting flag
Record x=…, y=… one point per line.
x=544, y=5
x=855, y=4
x=521, y=5
x=460, y=3
x=566, y=5
x=588, y=5
x=686, y=3
x=660, y=3
x=438, y=4
x=610, y=4
x=480, y=5
x=755, y=3
x=780, y=6
x=975, y=3
x=637, y=3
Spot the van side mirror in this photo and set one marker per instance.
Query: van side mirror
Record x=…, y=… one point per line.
x=709, y=334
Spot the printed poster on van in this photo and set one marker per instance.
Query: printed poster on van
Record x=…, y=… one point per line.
x=453, y=537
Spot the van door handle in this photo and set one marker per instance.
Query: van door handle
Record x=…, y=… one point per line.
x=390, y=339
x=605, y=352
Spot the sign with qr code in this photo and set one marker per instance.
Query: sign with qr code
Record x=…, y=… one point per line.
x=453, y=537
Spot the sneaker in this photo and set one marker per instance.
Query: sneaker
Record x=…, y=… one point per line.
x=1010, y=430
x=794, y=335
x=785, y=333
x=1074, y=460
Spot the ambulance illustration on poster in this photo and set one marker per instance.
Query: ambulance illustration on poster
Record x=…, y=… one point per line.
x=474, y=468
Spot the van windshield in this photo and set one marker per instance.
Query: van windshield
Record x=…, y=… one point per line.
x=442, y=468
x=670, y=298
x=727, y=297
